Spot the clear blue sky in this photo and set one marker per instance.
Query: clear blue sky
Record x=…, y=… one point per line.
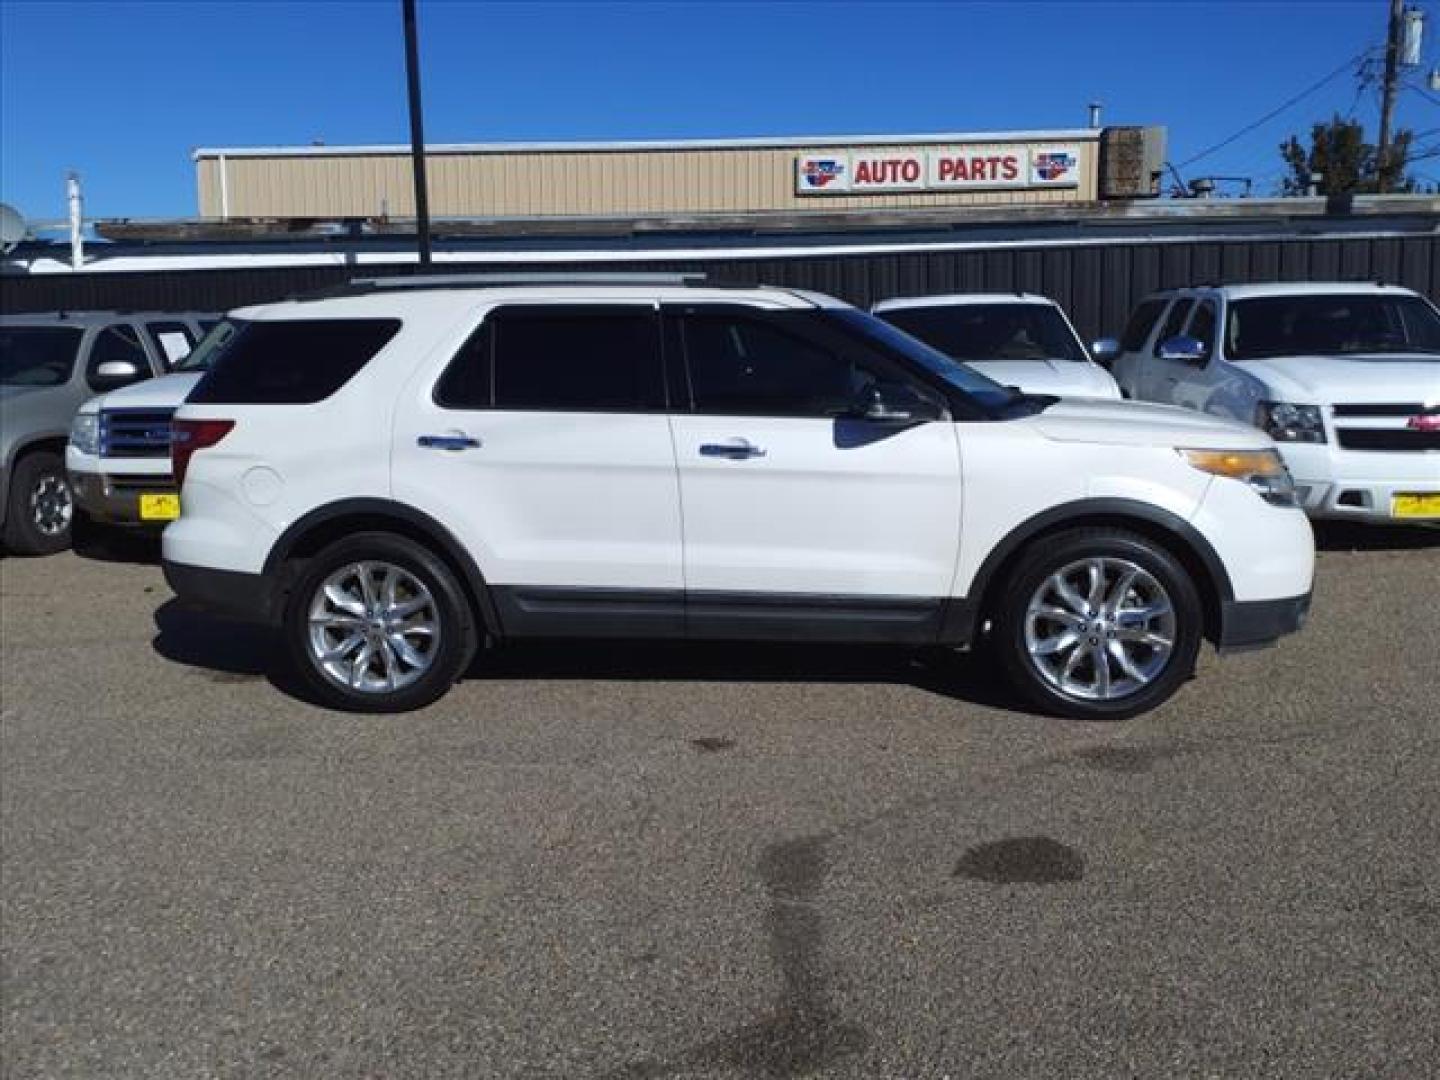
x=123, y=91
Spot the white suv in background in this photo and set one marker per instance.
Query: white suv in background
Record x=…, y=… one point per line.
x=1017, y=339
x=118, y=455
x=1344, y=376
x=396, y=474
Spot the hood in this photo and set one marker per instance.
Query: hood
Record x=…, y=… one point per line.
x=1364, y=377
x=166, y=392
x=1132, y=423
x=1063, y=378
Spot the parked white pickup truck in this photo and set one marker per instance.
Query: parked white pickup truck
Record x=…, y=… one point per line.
x=118, y=456
x=1344, y=376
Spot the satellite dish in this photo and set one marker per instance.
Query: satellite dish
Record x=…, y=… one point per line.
x=12, y=228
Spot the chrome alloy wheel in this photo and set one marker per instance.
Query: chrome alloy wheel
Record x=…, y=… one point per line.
x=1100, y=629
x=374, y=627
x=51, y=504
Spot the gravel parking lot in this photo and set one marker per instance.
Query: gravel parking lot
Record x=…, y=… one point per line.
x=637, y=861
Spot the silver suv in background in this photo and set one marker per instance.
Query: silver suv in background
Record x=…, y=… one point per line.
x=1345, y=376
x=49, y=364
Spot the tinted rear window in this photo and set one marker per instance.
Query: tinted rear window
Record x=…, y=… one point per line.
x=291, y=362
x=589, y=358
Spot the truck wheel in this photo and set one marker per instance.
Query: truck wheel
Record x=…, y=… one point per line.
x=41, y=507
x=1098, y=624
x=377, y=623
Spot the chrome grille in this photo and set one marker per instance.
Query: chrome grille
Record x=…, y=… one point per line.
x=132, y=433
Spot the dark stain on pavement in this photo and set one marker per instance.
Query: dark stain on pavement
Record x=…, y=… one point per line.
x=1127, y=759
x=801, y=1033
x=709, y=744
x=223, y=677
x=1026, y=860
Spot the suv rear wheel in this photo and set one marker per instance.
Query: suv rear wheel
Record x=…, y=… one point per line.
x=1099, y=624
x=378, y=623
x=42, y=506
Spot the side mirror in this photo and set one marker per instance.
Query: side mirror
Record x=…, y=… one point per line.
x=1105, y=351
x=893, y=403
x=113, y=374
x=1186, y=349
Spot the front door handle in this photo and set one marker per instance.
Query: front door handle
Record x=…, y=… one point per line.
x=735, y=449
x=455, y=440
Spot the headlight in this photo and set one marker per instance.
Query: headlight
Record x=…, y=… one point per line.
x=1285, y=422
x=85, y=433
x=1261, y=469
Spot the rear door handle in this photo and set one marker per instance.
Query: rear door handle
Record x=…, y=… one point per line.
x=456, y=440
x=735, y=449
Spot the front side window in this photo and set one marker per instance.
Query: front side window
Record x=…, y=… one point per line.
x=1179, y=312
x=1331, y=324
x=980, y=332
x=740, y=366
x=1202, y=326
x=781, y=364
x=1137, y=330
x=37, y=355
x=121, y=343
x=288, y=361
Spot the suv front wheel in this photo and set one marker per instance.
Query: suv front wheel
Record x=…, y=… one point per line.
x=378, y=623
x=42, y=506
x=1099, y=624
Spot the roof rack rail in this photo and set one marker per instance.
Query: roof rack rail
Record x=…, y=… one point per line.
x=557, y=277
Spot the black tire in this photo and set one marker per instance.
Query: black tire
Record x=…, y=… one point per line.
x=1119, y=549
x=457, y=639
x=41, y=505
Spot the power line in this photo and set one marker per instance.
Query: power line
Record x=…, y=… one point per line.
x=1280, y=108
x=1423, y=93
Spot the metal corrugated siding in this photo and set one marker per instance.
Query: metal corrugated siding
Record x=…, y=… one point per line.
x=584, y=182
x=1096, y=284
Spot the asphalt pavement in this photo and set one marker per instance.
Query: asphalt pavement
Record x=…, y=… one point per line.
x=636, y=861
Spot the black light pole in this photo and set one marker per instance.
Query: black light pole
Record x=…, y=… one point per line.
x=417, y=133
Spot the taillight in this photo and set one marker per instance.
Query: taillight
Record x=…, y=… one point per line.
x=187, y=436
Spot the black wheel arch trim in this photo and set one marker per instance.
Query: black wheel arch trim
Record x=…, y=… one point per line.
x=1101, y=512
x=451, y=549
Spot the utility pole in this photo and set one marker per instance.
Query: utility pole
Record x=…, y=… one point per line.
x=1387, y=94
x=417, y=133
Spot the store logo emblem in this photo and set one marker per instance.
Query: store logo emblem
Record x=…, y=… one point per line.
x=819, y=172
x=1054, y=166
x=1428, y=421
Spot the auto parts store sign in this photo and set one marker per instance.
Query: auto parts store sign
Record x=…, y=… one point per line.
x=851, y=172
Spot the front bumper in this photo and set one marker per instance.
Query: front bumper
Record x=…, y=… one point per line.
x=1363, y=500
x=1254, y=624
x=249, y=597
x=115, y=500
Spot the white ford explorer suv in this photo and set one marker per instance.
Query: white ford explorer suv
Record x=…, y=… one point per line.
x=1345, y=377
x=1017, y=339
x=394, y=475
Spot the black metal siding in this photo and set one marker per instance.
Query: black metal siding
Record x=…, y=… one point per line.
x=1097, y=283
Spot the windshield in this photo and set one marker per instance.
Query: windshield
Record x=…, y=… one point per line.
x=987, y=392
x=209, y=347
x=981, y=332
x=37, y=355
x=1335, y=324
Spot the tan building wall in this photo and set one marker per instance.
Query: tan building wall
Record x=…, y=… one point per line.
x=593, y=180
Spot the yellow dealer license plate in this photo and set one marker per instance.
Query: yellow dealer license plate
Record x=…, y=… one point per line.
x=1415, y=506
x=159, y=507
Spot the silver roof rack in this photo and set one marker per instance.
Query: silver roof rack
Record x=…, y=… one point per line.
x=560, y=277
